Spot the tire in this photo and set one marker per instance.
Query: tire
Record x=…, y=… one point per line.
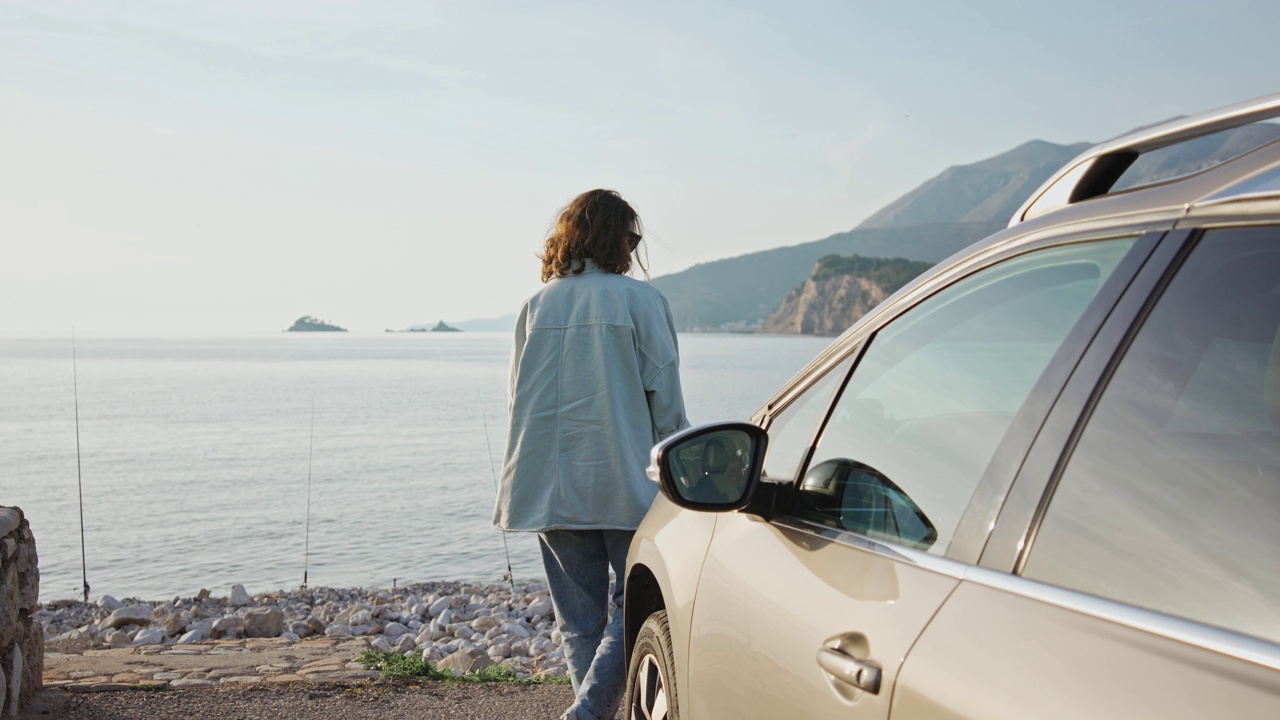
x=651, y=685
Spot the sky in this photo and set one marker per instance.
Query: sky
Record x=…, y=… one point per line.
x=226, y=167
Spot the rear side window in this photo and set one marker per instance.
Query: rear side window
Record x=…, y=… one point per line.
x=1171, y=500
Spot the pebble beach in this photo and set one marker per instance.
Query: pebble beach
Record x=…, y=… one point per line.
x=312, y=634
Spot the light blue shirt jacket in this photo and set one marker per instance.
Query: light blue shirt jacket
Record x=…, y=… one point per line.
x=595, y=383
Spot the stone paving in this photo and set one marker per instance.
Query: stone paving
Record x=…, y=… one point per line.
x=222, y=662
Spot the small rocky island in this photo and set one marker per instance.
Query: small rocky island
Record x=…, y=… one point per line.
x=306, y=323
x=439, y=327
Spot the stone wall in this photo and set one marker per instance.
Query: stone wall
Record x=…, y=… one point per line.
x=21, y=636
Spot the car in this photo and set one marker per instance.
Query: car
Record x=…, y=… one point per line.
x=1042, y=480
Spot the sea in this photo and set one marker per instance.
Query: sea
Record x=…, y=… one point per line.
x=341, y=459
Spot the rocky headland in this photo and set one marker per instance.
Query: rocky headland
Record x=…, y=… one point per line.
x=838, y=292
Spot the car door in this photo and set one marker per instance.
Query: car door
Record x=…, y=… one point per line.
x=810, y=612
x=1134, y=571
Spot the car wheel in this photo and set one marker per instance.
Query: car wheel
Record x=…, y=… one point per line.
x=651, y=686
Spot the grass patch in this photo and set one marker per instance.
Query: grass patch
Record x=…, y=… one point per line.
x=394, y=666
x=151, y=687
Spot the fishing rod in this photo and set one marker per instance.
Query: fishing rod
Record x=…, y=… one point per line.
x=306, y=548
x=75, y=390
x=509, y=577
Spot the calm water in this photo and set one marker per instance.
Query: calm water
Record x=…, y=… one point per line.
x=194, y=454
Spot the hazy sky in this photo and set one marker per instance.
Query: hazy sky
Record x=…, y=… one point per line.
x=228, y=166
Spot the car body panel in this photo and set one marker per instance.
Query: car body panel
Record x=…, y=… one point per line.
x=772, y=595
x=671, y=544
x=995, y=655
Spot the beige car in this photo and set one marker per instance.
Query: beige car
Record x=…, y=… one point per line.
x=1042, y=481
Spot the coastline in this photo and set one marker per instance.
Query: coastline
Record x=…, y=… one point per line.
x=312, y=635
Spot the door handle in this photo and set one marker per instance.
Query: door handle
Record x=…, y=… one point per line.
x=862, y=674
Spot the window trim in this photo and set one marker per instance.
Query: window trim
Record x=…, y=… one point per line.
x=1189, y=632
x=850, y=355
x=977, y=520
x=1103, y=381
x=1010, y=534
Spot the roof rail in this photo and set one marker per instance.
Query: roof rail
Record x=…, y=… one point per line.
x=1095, y=170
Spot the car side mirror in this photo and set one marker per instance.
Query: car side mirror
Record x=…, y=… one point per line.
x=857, y=497
x=712, y=468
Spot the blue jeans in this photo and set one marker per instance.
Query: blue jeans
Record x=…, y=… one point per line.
x=577, y=564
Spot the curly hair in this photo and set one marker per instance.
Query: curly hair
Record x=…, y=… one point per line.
x=598, y=225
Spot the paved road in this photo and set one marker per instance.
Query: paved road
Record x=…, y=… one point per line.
x=304, y=701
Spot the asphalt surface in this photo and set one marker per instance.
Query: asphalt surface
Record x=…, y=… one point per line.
x=375, y=700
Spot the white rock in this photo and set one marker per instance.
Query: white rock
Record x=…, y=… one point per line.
x=380, y=644
x=541, y=607
x=464, y=633
x=191, y=636
x=240, y=597
x=362, y=617
x=501, y=651
x=405, y=644
x=291, y=637
x=132, y=615
x=108, y=603
x=176, y=623
x=337, y=631
x=439, y=606
x=263, y=622
x=485, y=623
x=149, y=636
x=229, y=626
x=117, y=638
x=465, y=661
x=516, y=629
x=446, y=617
x=394, y=630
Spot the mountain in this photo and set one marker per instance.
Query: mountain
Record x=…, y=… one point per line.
x=839, y=291
x=986, y=191
x=947, y=213
x=738, y=294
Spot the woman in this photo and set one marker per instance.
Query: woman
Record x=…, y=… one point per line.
x=594, y=384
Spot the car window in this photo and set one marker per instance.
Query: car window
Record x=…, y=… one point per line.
x=934, y=393
x=792, y=430
x=1171, y=499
